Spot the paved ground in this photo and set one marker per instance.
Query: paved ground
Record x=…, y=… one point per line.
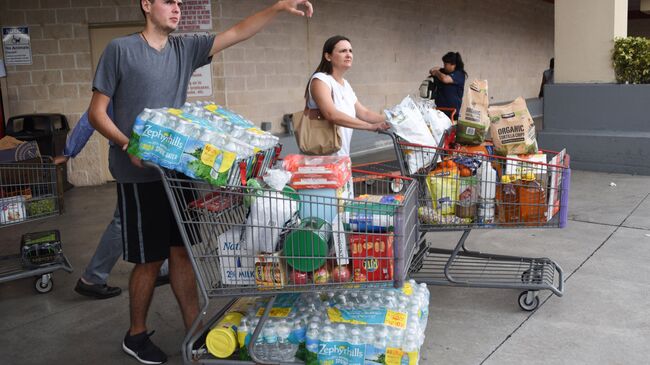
x=601, y=319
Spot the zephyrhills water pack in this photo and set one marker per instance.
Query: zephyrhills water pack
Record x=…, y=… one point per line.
x=201, y=140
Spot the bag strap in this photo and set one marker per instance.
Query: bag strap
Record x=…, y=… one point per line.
x=317, y=114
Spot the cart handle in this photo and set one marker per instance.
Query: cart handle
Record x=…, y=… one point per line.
x=379, y=174
x=452, y=112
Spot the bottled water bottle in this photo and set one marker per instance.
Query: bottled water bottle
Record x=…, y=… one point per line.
x=312, y=339
x=270, y=342
x=286, y=349
x=411, y=345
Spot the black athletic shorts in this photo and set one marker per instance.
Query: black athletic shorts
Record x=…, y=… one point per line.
x=148, y=224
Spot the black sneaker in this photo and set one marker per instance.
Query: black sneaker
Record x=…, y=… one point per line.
x=97, y=291
x=141, y=347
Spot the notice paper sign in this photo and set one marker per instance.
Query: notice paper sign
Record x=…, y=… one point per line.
x=17, y=47
x=197, y=15
x=201, y=81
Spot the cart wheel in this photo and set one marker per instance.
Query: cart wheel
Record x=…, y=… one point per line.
x=44, y=284
x=532, y=276
x=525, y=304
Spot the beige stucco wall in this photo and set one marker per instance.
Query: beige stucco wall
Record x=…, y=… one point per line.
x=395, y=43
x=584, y=37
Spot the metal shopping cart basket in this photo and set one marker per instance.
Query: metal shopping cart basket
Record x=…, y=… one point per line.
x=246, y=241
x=521, y=193
x=29, y=191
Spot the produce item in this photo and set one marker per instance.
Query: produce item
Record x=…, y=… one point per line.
x=298, y=277
x=40, y=207
x=521, y=165
x=322, y=275
x=372, y=257
x=443, y=187
x=341, y=274
x=473, y=122
x=407, y=122
x=512, y=129
x=429, y=215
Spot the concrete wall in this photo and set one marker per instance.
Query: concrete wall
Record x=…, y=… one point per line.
x=605, y=127
x=395, y=43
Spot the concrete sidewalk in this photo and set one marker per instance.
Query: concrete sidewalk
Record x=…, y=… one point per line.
x=601, y=319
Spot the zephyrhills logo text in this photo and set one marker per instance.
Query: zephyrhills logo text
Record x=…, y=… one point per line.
x=167, y=137
x=349, y=352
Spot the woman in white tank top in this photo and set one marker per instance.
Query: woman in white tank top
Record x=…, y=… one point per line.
x=328, y=91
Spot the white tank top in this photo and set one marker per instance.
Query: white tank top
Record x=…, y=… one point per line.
x=344, y=100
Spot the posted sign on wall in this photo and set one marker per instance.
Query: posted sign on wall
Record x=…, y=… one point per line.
x=16, y=45
x=197, y=15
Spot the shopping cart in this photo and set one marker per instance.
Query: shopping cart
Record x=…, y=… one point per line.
x=533, y=195
x=245, y=241
x=29, y=191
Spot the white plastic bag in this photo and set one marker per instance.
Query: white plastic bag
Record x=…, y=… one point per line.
x=437, y=121
x=277, y=178
x=268, y=215
x=407, y=121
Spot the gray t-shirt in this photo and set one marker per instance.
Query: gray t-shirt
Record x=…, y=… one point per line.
x=136, y=76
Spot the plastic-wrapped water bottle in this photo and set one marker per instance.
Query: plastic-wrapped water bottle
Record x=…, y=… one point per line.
x=341, y=332
x=270, y=342
x=286, y=349
x=312, y=340
x=411, y=346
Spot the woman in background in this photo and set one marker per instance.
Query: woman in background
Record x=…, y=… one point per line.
x=451, y=82
x=329, y=92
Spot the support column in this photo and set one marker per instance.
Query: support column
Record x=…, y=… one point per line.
x=584, y=34
x=603, y=125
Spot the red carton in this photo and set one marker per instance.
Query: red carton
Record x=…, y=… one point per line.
x=372, y=257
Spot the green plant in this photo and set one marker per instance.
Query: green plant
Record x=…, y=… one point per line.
x=631, y=59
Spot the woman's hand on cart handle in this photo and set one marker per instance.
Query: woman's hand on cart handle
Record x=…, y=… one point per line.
x=380, y=127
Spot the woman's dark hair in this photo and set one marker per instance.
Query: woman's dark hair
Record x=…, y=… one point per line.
x=455, y=59
x=551, y=64
x=325, y=65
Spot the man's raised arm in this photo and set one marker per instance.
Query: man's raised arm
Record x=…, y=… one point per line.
x=254, y=23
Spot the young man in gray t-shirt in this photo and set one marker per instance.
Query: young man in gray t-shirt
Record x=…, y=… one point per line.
x=152, y=69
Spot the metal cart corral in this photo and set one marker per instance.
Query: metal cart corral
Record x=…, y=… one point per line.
x=29, y=192
x=226, y=231
x=463, y=267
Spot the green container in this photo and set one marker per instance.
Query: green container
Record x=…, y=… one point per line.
x=307, y=247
